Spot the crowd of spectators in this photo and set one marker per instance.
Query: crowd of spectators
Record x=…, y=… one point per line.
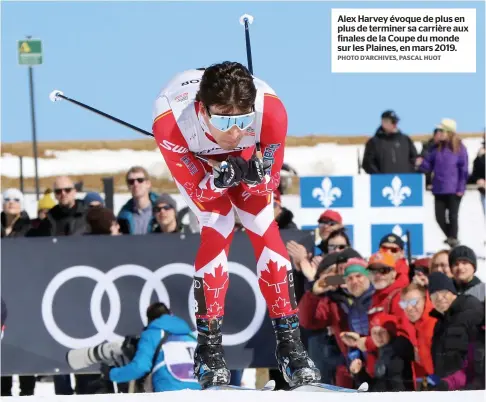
x=397, y=324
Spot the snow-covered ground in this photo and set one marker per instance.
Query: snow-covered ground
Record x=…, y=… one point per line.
x=321, y=159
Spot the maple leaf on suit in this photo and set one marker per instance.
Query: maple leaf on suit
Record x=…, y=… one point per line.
x=274, y=276
x=214, y=308
x=216, y=282
x=279, y=307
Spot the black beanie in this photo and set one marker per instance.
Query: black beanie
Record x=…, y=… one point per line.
x=462, y=253
x=439, y=281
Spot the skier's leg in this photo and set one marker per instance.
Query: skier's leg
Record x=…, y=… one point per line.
x=276, y=284
x=211, y=278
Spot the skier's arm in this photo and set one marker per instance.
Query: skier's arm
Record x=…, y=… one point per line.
x=188, y=171
x=272, y=143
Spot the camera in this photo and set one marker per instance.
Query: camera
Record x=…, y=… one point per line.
x=116, y=354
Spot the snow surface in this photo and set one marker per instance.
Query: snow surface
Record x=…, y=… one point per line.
x=321, y=159
x=257, y=396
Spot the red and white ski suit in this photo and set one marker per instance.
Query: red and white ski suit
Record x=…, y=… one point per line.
x=181, y=133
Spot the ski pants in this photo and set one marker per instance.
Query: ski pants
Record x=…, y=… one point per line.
x=217, y=222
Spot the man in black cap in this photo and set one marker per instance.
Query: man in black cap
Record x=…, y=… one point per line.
x=463, y=264
x=389, y=151
x=459, y=318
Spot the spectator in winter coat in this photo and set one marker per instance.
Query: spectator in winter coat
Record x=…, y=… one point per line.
x=415, y=301
x=68, y=217
x=391, y=243
x=165, y=216
x=448, y=162
x=459, y=319
x=44, y=205
x=385, y=299
x=343, y=308
x=463, y=263
x=392, y=368
x=389, y=151
x=283, y=216
x=478, y=175
x=136, y=216
x=15, y=221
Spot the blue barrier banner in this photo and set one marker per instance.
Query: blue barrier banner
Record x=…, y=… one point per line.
x=326, y=192
x=388, y=190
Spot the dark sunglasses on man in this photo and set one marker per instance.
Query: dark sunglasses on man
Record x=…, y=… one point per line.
x=131, y=182
x=380, y=270
x=163, y=207
x=391, y=249
x=327, y=222
x=59, y=191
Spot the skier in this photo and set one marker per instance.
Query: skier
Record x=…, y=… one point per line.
x=223, y=114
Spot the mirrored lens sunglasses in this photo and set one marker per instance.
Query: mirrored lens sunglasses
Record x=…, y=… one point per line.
x=225, y=123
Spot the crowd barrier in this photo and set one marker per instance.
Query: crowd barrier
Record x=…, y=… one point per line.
x=74, y=292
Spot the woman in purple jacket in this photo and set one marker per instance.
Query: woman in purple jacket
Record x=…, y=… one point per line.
x=448, y=163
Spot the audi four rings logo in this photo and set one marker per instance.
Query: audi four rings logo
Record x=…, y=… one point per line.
x=153, y=283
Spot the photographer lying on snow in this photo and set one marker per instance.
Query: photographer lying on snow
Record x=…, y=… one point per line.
x=165, y=352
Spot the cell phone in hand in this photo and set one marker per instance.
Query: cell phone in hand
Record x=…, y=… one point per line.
x=335, y=280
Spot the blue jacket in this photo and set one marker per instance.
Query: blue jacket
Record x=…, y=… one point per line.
x=125, y=216
x=174, y=366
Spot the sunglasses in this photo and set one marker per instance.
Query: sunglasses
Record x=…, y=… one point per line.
x=391, y=249
x=165, y=208
x=11, y=199
x=323, y=223
x=59, y=191
x=381, y=270
x=405, y=303
x=336, y=246
x=131, y=182
x=225, y=123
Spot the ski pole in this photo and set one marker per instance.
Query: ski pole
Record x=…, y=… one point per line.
x=246, y=20
x=57, y=95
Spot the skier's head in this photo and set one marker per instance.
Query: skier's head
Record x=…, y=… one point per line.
x=156, y=310
x=227, y=95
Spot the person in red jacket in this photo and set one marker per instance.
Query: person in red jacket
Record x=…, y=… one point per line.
x=343, y=308
x=385, y=299
x=415, y=302
x=222, y=134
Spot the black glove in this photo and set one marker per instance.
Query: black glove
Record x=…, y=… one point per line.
x=129, y=346
x=230, y=172
x=256, y=170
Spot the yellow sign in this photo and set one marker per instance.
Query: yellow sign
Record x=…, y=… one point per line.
x=24, y=48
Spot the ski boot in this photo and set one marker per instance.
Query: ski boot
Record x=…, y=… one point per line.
x=292, y=358
x=209, y=364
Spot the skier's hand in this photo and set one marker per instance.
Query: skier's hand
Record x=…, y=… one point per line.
x=230, y=172
x=356, y=366
x=256, y=170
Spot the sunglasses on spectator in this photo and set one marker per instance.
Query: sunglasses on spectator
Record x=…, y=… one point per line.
x=131, y=182
x=59, y=191
x=11, y=199
x=380, y=270
x=405, y=303
x=336, y=246
x=391, y=249
x=164, y=207
x=327, y=222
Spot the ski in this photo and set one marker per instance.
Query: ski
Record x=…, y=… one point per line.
x=319, y=387
x=269, y=386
